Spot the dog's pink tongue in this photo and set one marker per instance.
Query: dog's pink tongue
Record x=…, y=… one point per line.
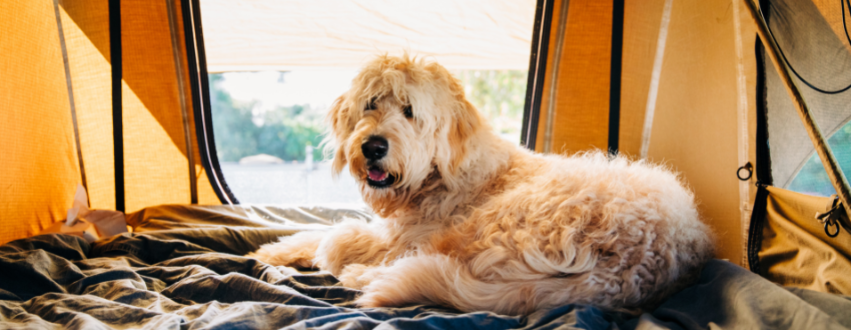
x=377, y=175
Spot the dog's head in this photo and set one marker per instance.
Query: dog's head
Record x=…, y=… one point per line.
x=402, y=127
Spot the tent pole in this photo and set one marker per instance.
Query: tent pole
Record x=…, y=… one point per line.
x=537, y=72
x=117, y=72
x=551, y=93
x=840, y=183
x=615, y=77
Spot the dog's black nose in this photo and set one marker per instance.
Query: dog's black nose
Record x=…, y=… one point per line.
x=374, y=148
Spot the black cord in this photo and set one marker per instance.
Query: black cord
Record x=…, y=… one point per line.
x=845, y=27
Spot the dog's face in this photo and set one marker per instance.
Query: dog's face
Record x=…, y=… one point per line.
x=403, y=126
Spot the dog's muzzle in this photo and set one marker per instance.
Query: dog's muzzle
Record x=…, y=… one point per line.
x=374, y=149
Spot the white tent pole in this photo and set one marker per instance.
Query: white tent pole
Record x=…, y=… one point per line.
x=742, y=119
x=551, y=108
x=840, y=183
x=656, y=75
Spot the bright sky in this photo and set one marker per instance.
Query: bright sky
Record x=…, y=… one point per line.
x=318, y=88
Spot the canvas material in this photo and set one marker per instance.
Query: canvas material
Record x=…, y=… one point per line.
x=38, y=156
x=696, y=123
x=793, y=248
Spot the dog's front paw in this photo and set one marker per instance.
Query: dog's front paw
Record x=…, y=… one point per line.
x=350, y=277
x=296, y=251
x=372, y=299
x=387, y=289
x=358, y=276
x=282, y=257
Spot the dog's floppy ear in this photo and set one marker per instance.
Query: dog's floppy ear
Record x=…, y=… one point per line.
x=466, y=122
x=339, y=161
x=338, y=119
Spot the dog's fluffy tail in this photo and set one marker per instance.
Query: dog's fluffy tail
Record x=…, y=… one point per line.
x=443, y=280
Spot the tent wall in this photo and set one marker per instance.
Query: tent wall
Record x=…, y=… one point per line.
x=85, y=25
x=39, y=161
x=41, y=168
x=155, y=149
x=582, y=81
x=700, y=125
x=698, y=114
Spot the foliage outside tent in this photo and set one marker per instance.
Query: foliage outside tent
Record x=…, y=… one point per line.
x=284, y=132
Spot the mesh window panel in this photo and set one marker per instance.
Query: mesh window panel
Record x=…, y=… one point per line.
x=813, y=38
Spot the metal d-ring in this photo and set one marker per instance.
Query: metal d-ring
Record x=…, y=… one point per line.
x=831, y=217
x=747, y=167
x=827, y=230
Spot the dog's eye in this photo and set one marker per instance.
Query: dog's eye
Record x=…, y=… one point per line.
x=409, y=111
x=371, y=105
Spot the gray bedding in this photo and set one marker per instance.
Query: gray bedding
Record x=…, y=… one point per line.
x=196, y=277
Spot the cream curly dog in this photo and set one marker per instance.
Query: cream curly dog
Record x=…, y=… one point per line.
x=474, y=222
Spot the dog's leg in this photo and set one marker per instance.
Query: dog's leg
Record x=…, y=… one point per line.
x=348, y=243
x=440, y=279
x=297, y=250
x=356, y=276
x=351, y=243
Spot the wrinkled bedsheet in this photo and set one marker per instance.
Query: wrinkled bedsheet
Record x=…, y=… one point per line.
x=197, y=278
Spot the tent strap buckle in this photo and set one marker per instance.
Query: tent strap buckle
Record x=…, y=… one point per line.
x=831, y=217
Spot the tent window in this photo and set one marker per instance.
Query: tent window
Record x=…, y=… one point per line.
x=812, y=178
x=813, y=38
x=277, y=66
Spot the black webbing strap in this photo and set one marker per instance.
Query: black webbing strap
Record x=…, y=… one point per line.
x=615, y=76
x=763, y=156
x=755, y=229
x=763, y=153
x=537, y=73
x=117, y=112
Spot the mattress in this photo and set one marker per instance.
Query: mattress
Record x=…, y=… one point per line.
x=183, y=268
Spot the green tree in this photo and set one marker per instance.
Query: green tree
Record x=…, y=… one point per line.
x=283, y=132
x=499, y=95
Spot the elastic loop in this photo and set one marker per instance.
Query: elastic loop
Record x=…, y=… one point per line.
x=747, y=167
x=827, y=231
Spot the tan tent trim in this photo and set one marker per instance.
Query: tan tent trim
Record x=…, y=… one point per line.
x=553, y=82
x=746, y=196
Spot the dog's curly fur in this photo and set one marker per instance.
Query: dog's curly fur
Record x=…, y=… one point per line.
x=476, y=223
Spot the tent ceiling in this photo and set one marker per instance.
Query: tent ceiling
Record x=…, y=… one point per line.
x=286, y=34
